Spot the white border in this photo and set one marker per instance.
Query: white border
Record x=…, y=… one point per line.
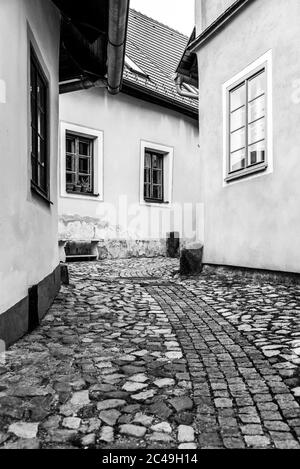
x=98, y=136
x=168, y=173
x=266, y=58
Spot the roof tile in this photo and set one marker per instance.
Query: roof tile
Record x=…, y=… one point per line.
x=157, y=50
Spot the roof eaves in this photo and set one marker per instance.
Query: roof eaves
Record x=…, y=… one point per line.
x=141, y=92
x=219, y=23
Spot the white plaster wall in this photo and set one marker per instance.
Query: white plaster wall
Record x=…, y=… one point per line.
x=28, y=228
x=255, y=222
x=207, y=11
x=126, y=121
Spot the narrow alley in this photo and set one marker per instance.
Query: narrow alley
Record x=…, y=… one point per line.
x=132, y=356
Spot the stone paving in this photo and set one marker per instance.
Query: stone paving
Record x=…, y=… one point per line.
x=132, y=356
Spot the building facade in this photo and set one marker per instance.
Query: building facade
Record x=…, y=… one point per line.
x=29, y=57
x=129, y=165
x=249, y=118
x=36, y=54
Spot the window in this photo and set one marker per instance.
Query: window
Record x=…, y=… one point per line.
x=39, y=124
x=156, y=174
x=247, y=123
x=79, y=164
x=154, y=177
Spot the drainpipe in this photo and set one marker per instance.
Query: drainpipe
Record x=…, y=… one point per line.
x=186, y=94
x=81, y=85
x=117, y=30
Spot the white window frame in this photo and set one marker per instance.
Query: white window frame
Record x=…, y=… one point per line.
x=98, y=165
x=168, y=153
x=264, y=61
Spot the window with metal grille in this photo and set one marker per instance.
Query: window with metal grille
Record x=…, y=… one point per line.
x=154, y=177
x=39, y=127
x=247, y=125
x=79, y=164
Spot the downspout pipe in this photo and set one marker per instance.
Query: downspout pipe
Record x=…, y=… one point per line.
x=81, y=85
x=117, y=32
x=185, y=94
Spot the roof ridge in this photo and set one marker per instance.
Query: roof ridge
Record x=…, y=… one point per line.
x=159, y=22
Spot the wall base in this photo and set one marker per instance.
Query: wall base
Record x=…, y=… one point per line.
x=114, y=248
x=257, y=274
x=14, y=323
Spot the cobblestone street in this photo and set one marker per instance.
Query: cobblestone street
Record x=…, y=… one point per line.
x=132, y=356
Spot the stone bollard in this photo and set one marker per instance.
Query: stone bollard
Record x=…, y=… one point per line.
x=173, y=244
x=191, y=260
x=64, y=273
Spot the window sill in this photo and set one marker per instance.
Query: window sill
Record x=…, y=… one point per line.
x=156, y=202
x=82, y=194
x=40, y=193
x=247, y=172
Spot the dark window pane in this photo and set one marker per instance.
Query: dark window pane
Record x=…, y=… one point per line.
x=157, y=177
x=33, y=143
x=70, y=163
x=38, y=89
x=147, y=191
x=33, y=81
x=70, y=145
x=70, y=178
x=79, y=160
x=153, y=176
x=41, y=151
x=41, y=93
x=41, y=124
x=34, y=169
x=34, y=118
x=84, y=165
x=147, y=160
x=147, y=177
x=42, y=176
x=157, y=161
x=84, y=148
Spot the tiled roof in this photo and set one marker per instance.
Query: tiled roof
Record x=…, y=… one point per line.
x=156, y=49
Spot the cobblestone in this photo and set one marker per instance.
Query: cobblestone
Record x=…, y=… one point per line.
x=132, y=356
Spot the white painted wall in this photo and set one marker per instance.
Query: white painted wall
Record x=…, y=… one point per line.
x=28, y=228
x=126, y=122
x=254, y=222
x=207, y=11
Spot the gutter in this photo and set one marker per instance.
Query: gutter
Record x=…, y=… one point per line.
x=179, y=80
x=137, y=91
x=117, y=32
